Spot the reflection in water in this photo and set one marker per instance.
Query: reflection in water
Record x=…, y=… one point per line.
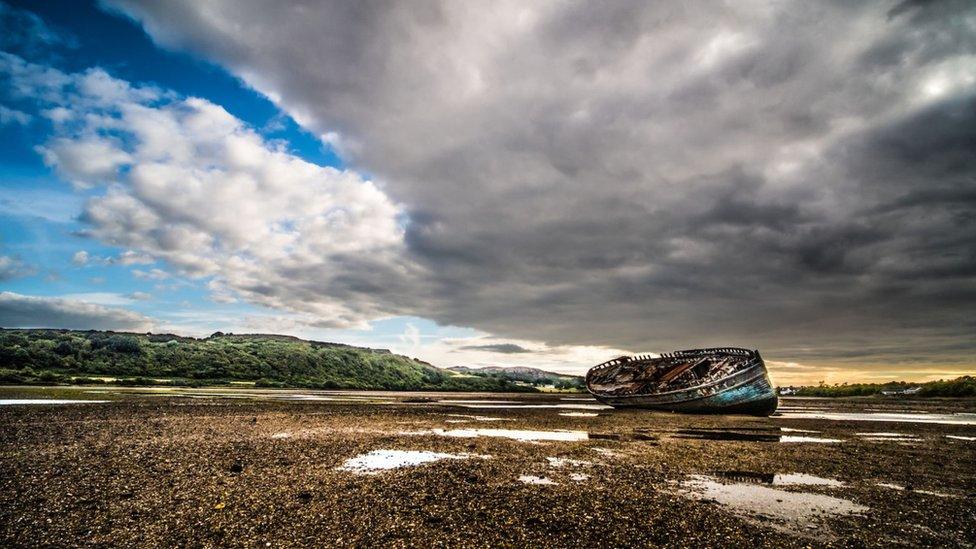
x=910, y=489
x=456, y=401
x=578, y=414
x=467, y=417
x=803, y=479
x=779, y=479
x=888, y=437
x=947, y=419
x=514, y=434
x=742, y=435
x=382, y=460
x=959, y=437
x=562, y=462
x=748, y=435
x=793, y=438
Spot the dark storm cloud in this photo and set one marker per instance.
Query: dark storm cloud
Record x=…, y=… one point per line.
x=791, y=176
x=504, y=348
x=21, y=311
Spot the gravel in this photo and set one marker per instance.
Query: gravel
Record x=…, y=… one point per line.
x=170, y=471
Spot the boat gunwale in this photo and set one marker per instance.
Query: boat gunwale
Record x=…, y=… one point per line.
x=755, y=360
x=690, y=353
x=751, y=379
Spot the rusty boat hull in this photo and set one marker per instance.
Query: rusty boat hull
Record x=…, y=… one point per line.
x=724, y=380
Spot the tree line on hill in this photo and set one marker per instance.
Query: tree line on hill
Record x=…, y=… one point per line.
x=964, y=386
x=30, y=356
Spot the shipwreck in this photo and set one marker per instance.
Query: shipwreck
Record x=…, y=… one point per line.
x=725, y=380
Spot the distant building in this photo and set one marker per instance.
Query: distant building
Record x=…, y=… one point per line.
x=787, y=391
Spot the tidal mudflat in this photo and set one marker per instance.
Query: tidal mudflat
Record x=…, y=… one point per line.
x=208, y=467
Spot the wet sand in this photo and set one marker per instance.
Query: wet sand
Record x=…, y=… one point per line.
x=311, y=468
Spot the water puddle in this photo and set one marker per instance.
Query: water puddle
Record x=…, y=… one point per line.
x=748, y=435
x=816, y=440
x=901, y=488
x=779, y=479
x=605, y=452
x=513, y=434
x=741, y=435
x=276, y=396
x=578, y=414
x=25, y=401
x=558, y=462
x=804, y=479
x=578, y=477
x=349, y=399
x=465, y=401
x=281, y=435
x=493, y=404
x=465, y=418
x=794, y=512
x=788, y=430
x=888, y=437
x=384, y=460
x=532, y=479
x=960, y=437
x=915, y=417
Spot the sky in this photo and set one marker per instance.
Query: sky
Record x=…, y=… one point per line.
x=547, y=184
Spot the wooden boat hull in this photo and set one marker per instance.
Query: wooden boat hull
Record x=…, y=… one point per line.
x=748, y=391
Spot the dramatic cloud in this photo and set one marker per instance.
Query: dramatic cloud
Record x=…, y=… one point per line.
x=21, y=311
x=796, y=176
x=504, y=348
x=792, y=176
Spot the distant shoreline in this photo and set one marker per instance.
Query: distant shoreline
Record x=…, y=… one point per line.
x=267, y=361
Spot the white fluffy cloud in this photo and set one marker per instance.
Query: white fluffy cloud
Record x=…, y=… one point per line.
x=21, y=311
x=187, y=183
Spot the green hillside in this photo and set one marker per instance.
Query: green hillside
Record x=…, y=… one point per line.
x=80, y=357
